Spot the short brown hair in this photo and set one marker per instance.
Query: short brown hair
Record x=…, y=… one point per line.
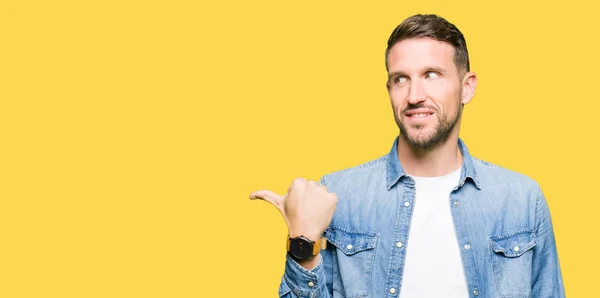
x=435, y=27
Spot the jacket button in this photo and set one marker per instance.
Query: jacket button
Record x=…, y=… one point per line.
x=475, y=292
x=392, y=291
x=349, y=246
x=516, y=249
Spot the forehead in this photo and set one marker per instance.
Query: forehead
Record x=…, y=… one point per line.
x=413, y=54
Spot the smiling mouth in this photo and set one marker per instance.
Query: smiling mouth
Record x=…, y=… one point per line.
x=419, y=115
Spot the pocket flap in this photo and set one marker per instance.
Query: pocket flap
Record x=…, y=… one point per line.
x=350, y=242
x=514, y=244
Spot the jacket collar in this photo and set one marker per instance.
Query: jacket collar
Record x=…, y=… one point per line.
x=395, y=172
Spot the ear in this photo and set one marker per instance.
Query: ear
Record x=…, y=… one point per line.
x=468, y=87
x=387, y=86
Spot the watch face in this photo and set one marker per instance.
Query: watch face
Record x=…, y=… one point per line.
x=300, y=248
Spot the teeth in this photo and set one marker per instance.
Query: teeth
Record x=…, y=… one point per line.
x=419, y=115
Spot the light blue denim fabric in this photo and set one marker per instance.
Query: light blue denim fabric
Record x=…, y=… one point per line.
x=501, y=219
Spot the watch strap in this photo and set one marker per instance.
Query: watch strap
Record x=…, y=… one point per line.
x=319, y=245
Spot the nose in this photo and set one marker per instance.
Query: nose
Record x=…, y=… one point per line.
x=416, y=93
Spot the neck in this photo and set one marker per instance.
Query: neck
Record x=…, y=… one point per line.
x=435, y=162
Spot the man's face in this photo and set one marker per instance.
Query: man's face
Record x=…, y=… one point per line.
x=426, y=91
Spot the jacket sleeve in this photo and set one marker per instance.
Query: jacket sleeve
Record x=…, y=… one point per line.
x=546, y=274
x=298, y=282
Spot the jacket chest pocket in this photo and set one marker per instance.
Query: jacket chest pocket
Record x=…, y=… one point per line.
x=512, y=256
x=353, y=259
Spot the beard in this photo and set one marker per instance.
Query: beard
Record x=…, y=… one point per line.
x=418, y=137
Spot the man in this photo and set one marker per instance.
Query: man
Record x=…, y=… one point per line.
x=427, y=219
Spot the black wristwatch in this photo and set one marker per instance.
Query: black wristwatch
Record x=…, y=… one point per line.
x=302, y=248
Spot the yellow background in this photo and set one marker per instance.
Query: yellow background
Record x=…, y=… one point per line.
x=132, y=132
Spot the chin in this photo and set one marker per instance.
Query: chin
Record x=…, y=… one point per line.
x=420, y=142
x=421, y=139
x=422, y=135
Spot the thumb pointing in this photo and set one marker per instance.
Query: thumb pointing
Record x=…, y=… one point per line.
x=270, y=197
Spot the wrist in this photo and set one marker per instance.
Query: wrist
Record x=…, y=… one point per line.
x=312, y=236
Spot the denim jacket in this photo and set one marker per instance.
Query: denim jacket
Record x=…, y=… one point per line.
x=502, y=225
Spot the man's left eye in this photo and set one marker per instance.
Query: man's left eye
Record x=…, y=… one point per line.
x=432, y=75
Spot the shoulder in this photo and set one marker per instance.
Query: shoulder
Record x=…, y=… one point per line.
x=356, y=173
x=504, y=180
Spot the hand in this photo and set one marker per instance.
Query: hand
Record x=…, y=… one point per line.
x=307, y=208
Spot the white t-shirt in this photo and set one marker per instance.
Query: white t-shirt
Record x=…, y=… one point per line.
x=433, y=265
